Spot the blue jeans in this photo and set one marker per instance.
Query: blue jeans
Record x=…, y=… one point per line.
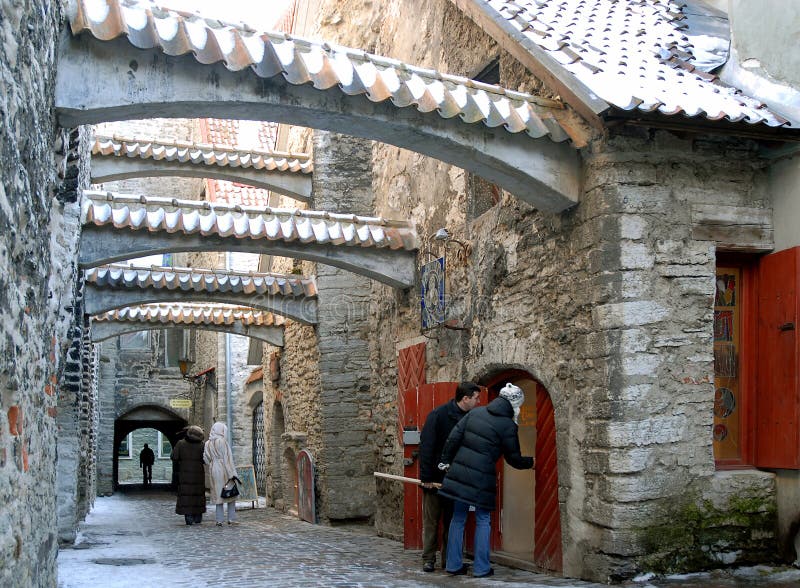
x=455, y=541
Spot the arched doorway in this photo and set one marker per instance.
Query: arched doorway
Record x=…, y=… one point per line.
x=527, y=525
x=159, y=425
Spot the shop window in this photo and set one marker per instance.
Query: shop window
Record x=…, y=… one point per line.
x=177, y=346
x=734, y=334
x=164, y=446
x=125, y=449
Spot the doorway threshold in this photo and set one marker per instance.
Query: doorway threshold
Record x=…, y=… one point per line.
x=513, y=560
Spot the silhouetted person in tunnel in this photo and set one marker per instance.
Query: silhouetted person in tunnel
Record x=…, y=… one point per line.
x=146, y=460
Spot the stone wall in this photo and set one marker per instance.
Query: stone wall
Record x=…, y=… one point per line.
x=608, y=305
x=37, y=278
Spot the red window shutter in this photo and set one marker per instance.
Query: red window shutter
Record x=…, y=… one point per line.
x=777, y=397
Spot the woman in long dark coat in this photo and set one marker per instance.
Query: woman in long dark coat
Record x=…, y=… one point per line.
x=187, y=461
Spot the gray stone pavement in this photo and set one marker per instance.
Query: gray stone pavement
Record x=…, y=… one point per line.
x=136, y=539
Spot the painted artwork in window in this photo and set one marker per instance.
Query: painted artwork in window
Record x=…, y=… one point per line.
x=726, y=431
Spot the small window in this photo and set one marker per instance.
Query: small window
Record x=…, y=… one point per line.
x=177, y=346
x=137, y=340
x=168, y=260
x=125, y=447
x=164, y=446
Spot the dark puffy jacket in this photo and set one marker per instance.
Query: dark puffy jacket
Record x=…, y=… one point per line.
x=187, y=460
x=472, y=450
x=438, y=425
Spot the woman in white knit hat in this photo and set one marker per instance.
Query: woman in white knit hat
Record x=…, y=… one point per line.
x=470, y=456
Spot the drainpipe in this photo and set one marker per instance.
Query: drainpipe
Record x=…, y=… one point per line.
x=228, y=374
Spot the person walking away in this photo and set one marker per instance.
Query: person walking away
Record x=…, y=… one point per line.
x=187, y=460
x=178, y=437
x=470, y=456
x=219, y=458
x=146, y=460
x=436, y=508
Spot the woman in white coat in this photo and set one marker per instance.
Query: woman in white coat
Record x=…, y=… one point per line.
x=217, y=455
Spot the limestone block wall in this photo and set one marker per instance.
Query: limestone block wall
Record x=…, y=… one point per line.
x=608, y=305
x=37, y=277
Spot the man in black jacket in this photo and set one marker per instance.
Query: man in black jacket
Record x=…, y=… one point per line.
x=438, y=425
x=473, y=448
x=146, y=460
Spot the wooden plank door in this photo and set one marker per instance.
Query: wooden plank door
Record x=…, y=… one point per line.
x=417, y=402
x=547, y=516
x=777, y=404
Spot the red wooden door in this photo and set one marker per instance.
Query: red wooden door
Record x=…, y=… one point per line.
x=547, y=551
x=547, y=517
x=306, y=499
x=777, y=404
x=417, y=402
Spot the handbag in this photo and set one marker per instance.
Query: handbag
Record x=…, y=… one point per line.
x=230, y=489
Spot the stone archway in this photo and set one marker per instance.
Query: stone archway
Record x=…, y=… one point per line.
x=144, y=417
x=524, y=497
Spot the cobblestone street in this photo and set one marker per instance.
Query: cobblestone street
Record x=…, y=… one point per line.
x=136, y=539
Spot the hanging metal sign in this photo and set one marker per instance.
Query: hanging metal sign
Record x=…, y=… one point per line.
x=432, y=293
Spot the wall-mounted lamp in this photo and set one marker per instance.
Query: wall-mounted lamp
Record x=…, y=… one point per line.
x=183, y=365
x=443, y=234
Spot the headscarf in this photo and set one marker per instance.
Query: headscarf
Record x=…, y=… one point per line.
x=515, y=396
x=218, y=430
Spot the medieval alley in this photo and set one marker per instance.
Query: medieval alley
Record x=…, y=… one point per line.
x=320, y=248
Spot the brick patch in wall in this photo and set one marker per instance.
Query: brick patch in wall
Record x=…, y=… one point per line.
x=15, y=421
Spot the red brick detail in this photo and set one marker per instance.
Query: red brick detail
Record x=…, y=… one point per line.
x=52, y=411
x=48, y=389
x=411, y=367
x=15, y=421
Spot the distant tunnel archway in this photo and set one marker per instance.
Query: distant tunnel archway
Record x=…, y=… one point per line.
x=155, y=417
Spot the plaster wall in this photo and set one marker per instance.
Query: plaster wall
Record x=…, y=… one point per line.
x=763, y=31
x=784, y=185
